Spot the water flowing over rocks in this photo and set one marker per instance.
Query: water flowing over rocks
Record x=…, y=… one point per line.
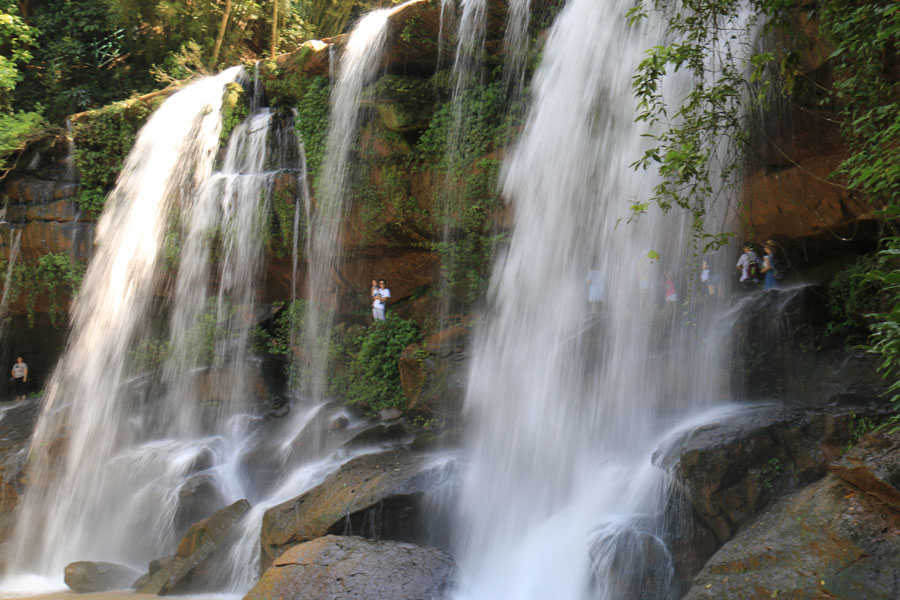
x=88, y=576
x=376, y=495
x=193, y=568
x=828, y=540
x=349, y=567
x=728, y=471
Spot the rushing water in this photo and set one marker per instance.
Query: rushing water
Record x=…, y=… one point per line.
x=115, y=449
x=568, y=398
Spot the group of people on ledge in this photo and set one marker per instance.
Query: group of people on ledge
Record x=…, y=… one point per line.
x=769, y=271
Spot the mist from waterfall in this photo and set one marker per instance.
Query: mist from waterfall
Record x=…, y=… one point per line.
x=568, y=398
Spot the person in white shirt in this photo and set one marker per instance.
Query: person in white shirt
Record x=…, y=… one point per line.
x=379, y=298
x=20, y=377
x=748, y=265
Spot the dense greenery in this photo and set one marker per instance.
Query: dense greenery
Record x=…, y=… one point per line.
x=53, y=276
x=371, y=377
x=364, y=367
x=711, y=39
x=698, y=142
x=66, y=56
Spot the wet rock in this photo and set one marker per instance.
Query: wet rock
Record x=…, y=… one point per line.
x=375, y=495
x=198, y=497
x=346, y=568
x=338, y=423
x=873, y=465
x=730, y=470
x=193, y=568
x=432, y=375
x=17, y=421
x=828, y=540
x=390, y=414
x=88, y=576
x=381, y=433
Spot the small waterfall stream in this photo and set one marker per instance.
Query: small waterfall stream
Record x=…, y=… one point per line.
x=358, y=66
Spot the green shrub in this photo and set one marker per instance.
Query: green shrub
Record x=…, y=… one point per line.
x=53, y=275
x=852, y=299
x=372, y=377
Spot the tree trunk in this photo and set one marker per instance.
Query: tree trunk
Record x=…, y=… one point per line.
x=274, y=26
x=225, y=16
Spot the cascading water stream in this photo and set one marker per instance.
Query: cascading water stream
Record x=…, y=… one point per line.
x=568, y=398
x=66, y=513
x=110, y=457
x=359, y=64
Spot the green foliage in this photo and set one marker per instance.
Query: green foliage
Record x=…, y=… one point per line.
x=852, y=298
x=102, y=140
x=466, y=252
x=486, y=118
x=867, y=90
x=885, y=338
x=770, y=473
x=53, y=275
x=311, y=122
x=16, y=39
x=234, y=109
x=713, y=44
x=17, y=130
x=372, y=377
x=280, y=237
x=327, y=18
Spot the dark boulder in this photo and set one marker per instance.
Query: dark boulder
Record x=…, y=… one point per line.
x=828, y=540
x=728, y=471
x=88, y=576
x=348, y=568
x=874, y=466
x=375, y=495
x=193, y=568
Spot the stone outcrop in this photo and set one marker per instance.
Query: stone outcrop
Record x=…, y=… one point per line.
x=873, y=465
x=828, y=540
x=192, y=568
x=727, y=471
x=354, y=568
x=17, y=421
x=88, y=576
x=432, y=374
x=730, y=470
x=778, y=349
x=375, y=495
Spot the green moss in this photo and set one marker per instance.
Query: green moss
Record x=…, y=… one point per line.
x=280, y=236
x=103, y=139
x=311, y=122
x=52, y=276
x=234, y=109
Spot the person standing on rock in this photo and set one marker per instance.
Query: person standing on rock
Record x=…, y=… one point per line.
x=379, y=299
x=20, y=377
x=748, y=265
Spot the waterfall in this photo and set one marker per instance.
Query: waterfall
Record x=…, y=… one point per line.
x=567, y=399
x=359, y=64
x=515, y=43
x=178, y=242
